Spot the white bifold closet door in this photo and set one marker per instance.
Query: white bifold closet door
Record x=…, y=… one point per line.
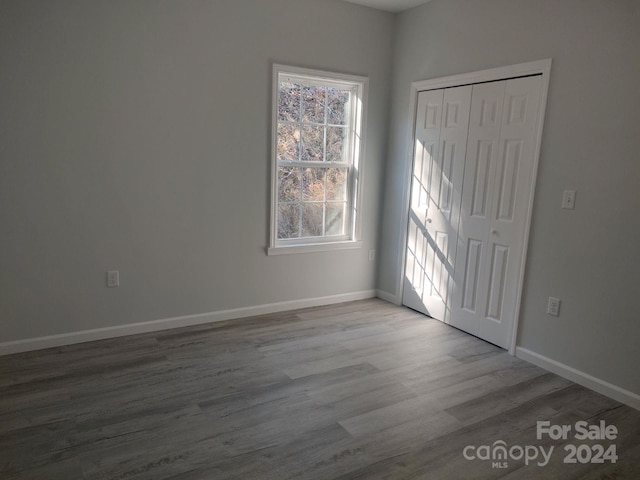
x=495, y=202
x=440, y=146
x=464, y=264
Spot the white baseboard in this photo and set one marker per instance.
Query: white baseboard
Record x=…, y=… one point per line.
x=389, y=297
x=612, y=391
x=49, y=341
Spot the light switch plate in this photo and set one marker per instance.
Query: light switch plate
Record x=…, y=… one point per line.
x=569, y=199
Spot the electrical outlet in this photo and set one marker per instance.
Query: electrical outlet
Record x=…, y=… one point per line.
x=569, y=199
x=113, y=278
x=553, y=307
x=372, y=255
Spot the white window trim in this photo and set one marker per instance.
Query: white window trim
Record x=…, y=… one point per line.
x=353, y=239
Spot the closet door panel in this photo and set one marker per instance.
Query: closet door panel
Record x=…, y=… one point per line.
x=472, y=268
x=509, y=207
x=419, y=255
x=440, y=149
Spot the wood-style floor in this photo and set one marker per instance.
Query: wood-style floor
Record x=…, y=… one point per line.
x=362, y=390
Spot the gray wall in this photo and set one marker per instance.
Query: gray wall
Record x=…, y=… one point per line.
x=135, y=135
x=588, y=257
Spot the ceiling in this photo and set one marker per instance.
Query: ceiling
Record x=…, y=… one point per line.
x=390, y=5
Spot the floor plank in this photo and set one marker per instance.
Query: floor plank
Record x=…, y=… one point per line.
x=360, y=390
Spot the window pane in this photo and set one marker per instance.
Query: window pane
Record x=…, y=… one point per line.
x=336, y=144
x=313, y=185
x=289, y=102
x=289, y=221
x=313, y=104
x=288, y=142
x=314, y=177
x=288, y=184
x=312, y=143
x=337, y=106
x=334, y=222
x=311, y=220
x=336, y=184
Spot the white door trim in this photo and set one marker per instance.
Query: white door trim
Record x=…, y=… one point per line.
x=539, y=67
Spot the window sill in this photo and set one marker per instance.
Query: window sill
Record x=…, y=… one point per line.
x=313, y=247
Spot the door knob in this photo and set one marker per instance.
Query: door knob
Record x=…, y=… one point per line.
x=494, y=231
x=428, y=220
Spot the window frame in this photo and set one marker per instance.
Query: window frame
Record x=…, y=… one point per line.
x=356, y=129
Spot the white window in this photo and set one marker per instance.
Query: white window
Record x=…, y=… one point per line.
x=317, y=149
